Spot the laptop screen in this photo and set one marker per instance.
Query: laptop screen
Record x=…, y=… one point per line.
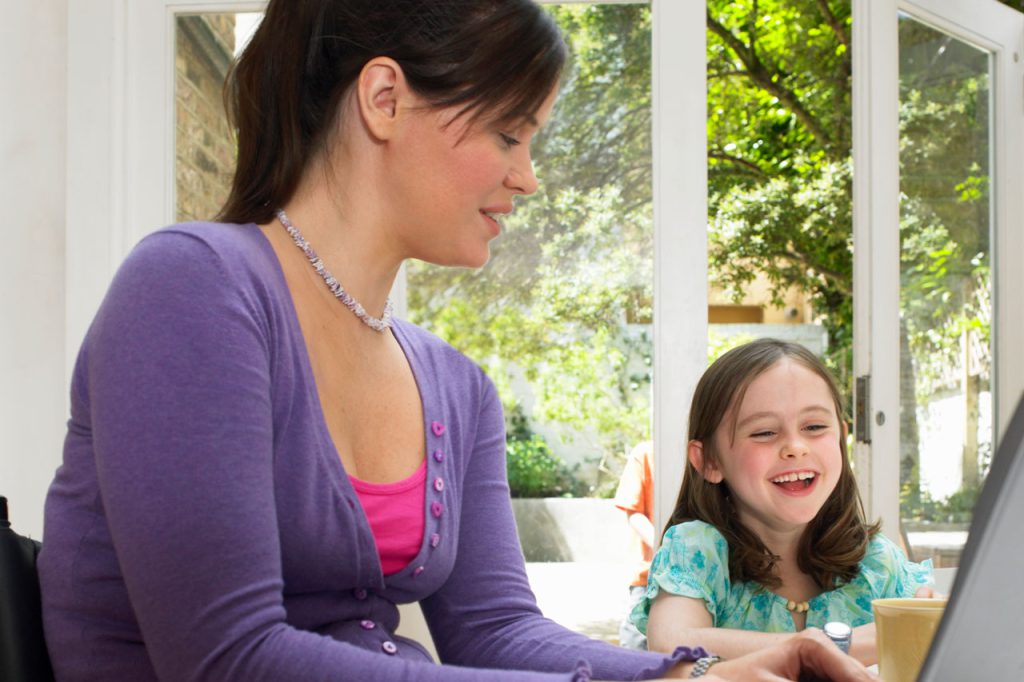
x=979, y=637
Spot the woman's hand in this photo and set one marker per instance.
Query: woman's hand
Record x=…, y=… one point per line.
x=808, y=657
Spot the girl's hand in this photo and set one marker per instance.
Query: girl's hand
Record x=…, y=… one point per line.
x=864, y=646
x=926, y=592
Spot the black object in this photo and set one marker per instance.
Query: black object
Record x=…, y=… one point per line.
x=23, y=655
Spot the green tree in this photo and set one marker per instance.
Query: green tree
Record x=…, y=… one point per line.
x=779, y=146
x=574, y=264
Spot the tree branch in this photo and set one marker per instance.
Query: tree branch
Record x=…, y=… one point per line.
x=840, y=280
x=726, y=74
x=760, y=74
x=837, y=26
x=739, y=161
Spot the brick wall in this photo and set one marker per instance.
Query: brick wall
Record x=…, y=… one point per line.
x=204, y=146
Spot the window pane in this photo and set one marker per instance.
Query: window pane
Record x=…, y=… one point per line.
x=561, y=318
x=779, y=182
x=205, y=47
x=945, y=297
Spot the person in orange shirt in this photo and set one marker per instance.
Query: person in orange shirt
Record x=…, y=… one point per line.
x=635, y=496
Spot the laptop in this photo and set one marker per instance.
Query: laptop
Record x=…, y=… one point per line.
x=980, y=635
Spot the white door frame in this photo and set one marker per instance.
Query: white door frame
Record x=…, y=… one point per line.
x=999, y=30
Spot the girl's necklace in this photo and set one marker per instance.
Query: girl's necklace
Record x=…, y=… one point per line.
x=375, y=323
x=798, y=606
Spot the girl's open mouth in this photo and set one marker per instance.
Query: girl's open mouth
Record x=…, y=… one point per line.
x=795, y=482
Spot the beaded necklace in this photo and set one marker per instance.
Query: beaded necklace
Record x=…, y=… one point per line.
x=798, y=606
x=375, y=323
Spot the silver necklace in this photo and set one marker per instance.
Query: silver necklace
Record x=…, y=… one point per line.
x=375, y=323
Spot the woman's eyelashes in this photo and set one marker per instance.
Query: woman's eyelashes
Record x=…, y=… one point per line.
x=508, y=140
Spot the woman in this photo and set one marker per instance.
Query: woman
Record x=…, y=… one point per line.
x=261, y=463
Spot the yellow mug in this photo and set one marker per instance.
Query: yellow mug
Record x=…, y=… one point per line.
x=904, y=629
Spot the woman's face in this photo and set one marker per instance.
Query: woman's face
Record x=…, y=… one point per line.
x=454, y=182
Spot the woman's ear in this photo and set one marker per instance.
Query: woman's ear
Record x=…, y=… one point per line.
x=695, y=453
x=380, y=87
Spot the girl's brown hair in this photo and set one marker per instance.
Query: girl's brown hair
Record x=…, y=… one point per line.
x=834, y=542
x=499, y=58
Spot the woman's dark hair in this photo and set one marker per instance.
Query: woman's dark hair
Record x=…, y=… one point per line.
x=834, y=542
x=498, y=58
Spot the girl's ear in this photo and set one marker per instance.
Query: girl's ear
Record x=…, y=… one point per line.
x=695, y=453
x=380, y=89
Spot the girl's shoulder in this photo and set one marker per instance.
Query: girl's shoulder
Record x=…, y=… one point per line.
x=882, y=552
x=696, y=542
x=694, y=532
x=888, y=571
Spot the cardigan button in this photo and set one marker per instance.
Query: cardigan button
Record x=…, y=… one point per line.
x=438, y=484
x=437, y=428
x=367, y=624
x=417, y=571
x=389, y=648
x=360, y=593
x=436, y=508
x=435, y=540
x=438, y=456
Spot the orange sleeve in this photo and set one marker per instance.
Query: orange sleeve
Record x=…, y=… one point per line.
x=633, y=491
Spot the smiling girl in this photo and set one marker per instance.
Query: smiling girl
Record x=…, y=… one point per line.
x=768, y=532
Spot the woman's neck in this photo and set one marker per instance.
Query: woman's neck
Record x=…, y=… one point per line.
x=348, y=237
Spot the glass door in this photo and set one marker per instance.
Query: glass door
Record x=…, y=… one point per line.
x=936, y=364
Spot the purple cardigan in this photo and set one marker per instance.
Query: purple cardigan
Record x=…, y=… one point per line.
x=202, y=527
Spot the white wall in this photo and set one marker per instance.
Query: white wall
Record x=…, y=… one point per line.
x=33, y=121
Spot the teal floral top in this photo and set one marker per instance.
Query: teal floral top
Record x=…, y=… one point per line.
x=693, y=561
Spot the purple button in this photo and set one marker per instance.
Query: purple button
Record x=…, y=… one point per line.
x=389, y=648
x=435, y=540
x=367, y=624
x=438, y=484
x=437, y=428
x=360, y=593
x=436, y=508
x=438, y=456
x=417, y=571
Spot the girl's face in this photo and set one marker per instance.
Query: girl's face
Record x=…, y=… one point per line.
x=779, y=449
x=456, y=183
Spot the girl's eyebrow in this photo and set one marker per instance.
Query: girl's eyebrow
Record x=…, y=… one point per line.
x=760, y=415
x=753, y=417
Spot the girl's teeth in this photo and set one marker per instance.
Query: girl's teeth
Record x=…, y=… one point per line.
x=800, y=476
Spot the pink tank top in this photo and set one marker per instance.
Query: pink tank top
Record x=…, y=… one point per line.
x=396, y=515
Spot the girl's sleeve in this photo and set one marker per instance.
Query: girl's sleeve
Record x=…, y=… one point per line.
x=693, y=561
x=486, y=615
x=891, y=573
